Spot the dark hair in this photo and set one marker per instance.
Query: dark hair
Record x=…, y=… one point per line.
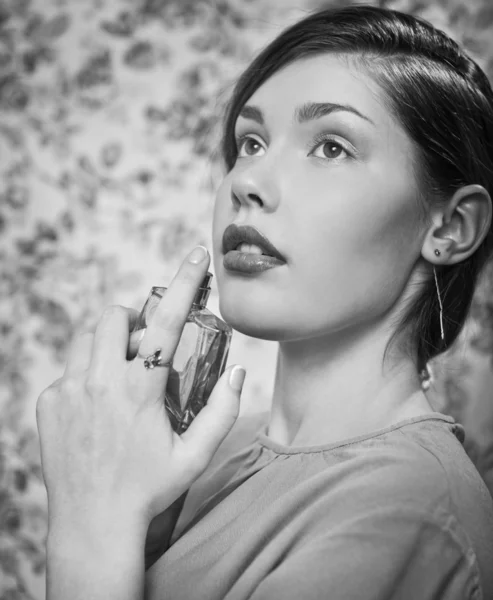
x=443, y=100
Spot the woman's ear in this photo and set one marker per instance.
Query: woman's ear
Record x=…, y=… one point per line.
x=459, y=226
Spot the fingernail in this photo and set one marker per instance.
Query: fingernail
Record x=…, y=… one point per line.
x=197, y=255
x=237, y=377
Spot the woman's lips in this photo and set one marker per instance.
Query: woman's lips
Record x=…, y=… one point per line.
x=248, y=262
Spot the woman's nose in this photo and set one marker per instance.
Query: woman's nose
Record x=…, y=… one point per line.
x=251, y=188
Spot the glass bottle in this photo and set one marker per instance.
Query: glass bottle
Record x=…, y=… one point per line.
x=200, y=357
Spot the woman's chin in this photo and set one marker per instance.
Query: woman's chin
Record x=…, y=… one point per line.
x=264, y=325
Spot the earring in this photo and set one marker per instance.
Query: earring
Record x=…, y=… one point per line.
x=437, y=252
x=439, y=302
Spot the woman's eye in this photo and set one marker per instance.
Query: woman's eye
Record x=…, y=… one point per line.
x=248, y=146
x=330, y=149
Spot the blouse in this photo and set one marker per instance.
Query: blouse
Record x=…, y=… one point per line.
x=397, y=514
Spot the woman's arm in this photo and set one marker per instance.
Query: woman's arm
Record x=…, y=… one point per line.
x=96, y=559
x=111, y=460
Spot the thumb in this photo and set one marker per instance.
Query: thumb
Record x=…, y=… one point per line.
x=217, y=417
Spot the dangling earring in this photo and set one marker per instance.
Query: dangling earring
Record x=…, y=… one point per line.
x=437, y=253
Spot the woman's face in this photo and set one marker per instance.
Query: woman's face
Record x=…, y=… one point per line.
x=334, y=192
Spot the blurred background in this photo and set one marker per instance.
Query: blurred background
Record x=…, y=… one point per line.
x=108, y=159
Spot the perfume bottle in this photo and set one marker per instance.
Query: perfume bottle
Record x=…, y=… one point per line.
x=199, y=360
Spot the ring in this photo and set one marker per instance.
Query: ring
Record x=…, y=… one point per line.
x=155, y=360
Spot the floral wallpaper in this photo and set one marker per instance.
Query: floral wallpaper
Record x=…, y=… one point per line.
x=108, y=161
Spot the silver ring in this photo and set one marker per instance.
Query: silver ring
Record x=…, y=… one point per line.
x=155, y=360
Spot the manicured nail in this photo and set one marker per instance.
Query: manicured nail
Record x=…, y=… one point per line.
x=197, y=255
x=237, y=377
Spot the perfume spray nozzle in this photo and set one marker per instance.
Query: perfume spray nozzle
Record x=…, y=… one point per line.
x=207, y=279
x=204, y=290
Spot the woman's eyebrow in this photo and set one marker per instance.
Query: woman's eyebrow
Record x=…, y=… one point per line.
x=309, y=111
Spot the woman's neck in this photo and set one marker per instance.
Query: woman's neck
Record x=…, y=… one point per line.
x=326, y=392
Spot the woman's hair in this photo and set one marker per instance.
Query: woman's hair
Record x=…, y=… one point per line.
x=444, y=102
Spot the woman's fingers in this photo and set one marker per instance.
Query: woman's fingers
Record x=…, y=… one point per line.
x=79, y=354
x=166, y=325
x=134, y=343
x=110, y=340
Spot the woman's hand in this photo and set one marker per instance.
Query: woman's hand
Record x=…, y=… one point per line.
x=110, y=457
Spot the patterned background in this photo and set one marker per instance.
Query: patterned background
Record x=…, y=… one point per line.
x=108, y=138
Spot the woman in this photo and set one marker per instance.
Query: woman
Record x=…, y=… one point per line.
x=360, y=143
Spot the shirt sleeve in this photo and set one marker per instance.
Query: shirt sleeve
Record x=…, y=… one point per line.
x=396, y=555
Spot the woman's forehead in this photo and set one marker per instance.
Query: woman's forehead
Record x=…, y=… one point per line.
x=321, y=79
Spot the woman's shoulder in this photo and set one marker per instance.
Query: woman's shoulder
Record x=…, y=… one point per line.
x=423, y=457
x=429, y=471
x=423, y=464
x=437, y=447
